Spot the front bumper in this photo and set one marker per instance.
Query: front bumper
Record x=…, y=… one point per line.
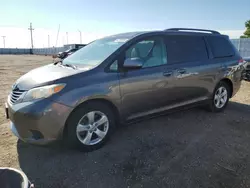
x=39, y=122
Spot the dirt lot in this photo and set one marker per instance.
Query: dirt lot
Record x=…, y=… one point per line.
x=190, y=148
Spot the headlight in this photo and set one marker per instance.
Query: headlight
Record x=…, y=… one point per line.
x=43, y=92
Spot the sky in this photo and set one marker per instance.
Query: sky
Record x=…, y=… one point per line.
x=99, y=18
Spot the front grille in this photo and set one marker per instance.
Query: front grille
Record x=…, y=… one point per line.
x=15, y=95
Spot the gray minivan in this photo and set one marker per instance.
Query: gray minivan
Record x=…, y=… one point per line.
x=120, y=78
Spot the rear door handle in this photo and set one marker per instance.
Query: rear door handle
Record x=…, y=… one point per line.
x=181, y=71
x=168, y=73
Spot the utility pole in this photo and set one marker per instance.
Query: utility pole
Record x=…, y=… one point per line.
x=48, y=42
x=67, y=37
x=4, y=41
x=80, y=36
x=58, y=31
x=31, y=29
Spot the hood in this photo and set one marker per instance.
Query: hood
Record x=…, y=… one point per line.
x=46, y=75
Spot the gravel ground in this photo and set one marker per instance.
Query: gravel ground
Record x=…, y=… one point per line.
x=191, y=148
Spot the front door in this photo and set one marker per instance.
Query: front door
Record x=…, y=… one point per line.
x=149, y=88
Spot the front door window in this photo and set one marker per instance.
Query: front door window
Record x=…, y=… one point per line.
x=151, y=52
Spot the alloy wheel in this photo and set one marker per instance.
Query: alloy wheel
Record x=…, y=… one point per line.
x=92, y=128
x=220, y=97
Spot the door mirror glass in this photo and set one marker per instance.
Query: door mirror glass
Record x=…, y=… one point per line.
x=133, y=63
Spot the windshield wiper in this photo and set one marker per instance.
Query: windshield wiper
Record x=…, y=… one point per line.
x=69, y=65
x=65, y=64
x=60, y=61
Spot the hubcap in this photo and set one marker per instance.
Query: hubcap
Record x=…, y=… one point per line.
x=92, y=128
x=220, y=97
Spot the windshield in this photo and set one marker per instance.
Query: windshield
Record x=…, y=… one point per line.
x=96, y=52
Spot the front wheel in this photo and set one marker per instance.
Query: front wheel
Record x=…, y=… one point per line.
x=90, y=126
x=220, y=98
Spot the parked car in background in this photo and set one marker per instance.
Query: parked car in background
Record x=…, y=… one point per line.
x=247, y=69
x=72, y=48
x=121, y=78
x=63, y=55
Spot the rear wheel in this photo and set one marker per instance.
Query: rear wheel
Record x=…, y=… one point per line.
x=90, y=126
x=220, y=97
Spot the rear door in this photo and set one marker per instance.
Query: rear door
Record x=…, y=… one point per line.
x=194, y=74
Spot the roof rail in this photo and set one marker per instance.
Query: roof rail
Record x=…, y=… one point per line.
x=191, y=29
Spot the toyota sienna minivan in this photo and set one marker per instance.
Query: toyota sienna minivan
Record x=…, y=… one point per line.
x=120, y=78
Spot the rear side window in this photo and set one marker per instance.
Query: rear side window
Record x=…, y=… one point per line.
x=185, y=48
x=220, y=46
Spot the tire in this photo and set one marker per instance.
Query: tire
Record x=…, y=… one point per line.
x=213, y=105
x=78, y=135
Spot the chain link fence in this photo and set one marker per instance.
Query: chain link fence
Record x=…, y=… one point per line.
x=243, y=45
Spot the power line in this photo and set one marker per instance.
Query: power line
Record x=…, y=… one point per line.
x=31, y=36
x=4, y=41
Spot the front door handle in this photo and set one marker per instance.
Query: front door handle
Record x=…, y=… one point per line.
x=168, y=73
x=181, y=71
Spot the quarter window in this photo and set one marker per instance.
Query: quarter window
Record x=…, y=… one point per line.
x=114, y=66
x=220, y=47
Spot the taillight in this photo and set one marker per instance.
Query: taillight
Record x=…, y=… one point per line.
x=241, y=61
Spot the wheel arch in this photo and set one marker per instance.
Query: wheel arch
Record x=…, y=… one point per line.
x=229, y=83
x=107, y=102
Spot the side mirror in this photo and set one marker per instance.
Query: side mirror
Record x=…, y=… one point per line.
x=133, y=63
